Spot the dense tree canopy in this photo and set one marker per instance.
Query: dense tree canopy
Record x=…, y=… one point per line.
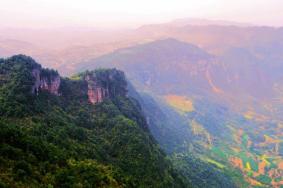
x=64, y=141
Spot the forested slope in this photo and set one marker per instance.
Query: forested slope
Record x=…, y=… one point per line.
x=82, y=131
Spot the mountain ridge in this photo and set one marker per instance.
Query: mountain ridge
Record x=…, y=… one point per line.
x=64, y=139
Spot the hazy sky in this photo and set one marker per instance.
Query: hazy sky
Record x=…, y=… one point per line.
x=107, y=13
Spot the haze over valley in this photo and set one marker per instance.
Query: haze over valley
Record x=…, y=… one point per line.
x=185, y=99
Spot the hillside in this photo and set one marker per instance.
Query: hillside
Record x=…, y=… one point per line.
x=225, y=110
x=160, y=65
x=171, y=66
x=82, y=131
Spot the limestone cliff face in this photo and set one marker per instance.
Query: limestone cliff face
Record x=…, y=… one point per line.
x=101, y=84
x=95, y=92
x=46, y=81
x=105, y=84
x=51, y=85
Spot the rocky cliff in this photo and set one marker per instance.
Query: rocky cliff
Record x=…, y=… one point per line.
x=103, y=84
x=45, y=80
x=24, y=71
x=95, y=92
x=23, y=80
x=62, y=140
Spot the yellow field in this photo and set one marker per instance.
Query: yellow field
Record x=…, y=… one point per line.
x=180, y=103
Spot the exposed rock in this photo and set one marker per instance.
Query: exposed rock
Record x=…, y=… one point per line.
x=52, y=85
x=105, y=84
x=95, y=92
x=101, y=84
x=45, y=82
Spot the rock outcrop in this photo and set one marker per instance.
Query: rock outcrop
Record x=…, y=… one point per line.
x=46, y=80
x=95, y=92
x=103, y=84
x=98, y=85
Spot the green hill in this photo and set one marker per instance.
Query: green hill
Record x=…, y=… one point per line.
x=83, y=131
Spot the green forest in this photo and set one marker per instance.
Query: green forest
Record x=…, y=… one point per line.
x=63, y=140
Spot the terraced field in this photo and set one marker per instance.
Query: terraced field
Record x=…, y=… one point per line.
x=251, y=144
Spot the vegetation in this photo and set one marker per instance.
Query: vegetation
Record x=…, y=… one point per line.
x=64, y=141
x=201, y=174
x=171, y=129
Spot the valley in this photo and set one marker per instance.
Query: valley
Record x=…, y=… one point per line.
x=210, y=95
x=226, y=119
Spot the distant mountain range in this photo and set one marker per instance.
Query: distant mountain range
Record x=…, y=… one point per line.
x=74, y=45
x=204, y=22
x=211, y=91
x=171, y=66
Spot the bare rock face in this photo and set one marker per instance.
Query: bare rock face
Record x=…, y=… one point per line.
x=52, y=85
x=95, y=93
x=103, y=84
x=45, y=82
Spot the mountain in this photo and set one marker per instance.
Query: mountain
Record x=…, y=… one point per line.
x=221, y=109
x=211, y=92
x=202, y=22
x=9, y=46
x=215, y=38
x=61, y=49
x=83, y=131
x=171, y=66
x=155, y=63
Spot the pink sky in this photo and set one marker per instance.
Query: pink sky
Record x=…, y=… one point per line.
x=109, y=13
